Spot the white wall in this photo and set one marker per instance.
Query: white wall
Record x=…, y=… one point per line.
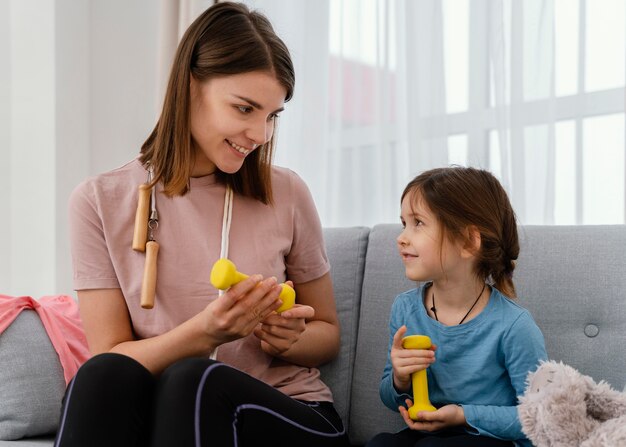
x=123, y=79
x=71, y=115
x=77, y=97
x=5, y=138
x=32, y=201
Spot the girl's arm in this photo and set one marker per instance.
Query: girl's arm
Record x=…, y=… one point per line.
x=308, y=334
x=234, y=315
x=523, y=350
x=389, y=394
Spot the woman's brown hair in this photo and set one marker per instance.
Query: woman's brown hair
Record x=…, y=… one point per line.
x=226, y=39
x=462, y=198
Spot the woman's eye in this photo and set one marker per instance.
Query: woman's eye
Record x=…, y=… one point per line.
x=244, y=109
x=272, y=117
x=418, y=222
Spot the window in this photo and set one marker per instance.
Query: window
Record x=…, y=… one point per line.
x=532, y=90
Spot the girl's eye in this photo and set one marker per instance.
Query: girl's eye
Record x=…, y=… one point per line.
x=403, y=224
x=418, y=222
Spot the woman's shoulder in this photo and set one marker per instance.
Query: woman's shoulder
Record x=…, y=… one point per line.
x=112, y=184
x=285, y=176
x=288, y=184
x=130, y=172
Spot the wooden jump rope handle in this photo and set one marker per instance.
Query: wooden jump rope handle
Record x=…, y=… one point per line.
x=140, y=235
x=141, y=243
x=148, y=286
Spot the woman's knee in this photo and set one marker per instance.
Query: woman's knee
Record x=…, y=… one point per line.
x=180, y=382
x=175, y=402
x=112, y=373
x=186, y=373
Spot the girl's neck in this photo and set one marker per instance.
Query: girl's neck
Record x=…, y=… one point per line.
x=456, y=294
x=455, y=303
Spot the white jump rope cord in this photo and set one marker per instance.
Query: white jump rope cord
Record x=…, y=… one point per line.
x=227, y=219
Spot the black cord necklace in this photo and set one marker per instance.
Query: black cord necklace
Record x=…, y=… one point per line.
x=434, y=309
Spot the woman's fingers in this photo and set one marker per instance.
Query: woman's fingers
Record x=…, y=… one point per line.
x=236, y=313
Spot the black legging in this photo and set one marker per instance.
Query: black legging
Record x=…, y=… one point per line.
x=412, y=438
x=114, y=401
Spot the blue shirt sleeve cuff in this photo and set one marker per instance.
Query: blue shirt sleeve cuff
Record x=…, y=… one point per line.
x=470, y=418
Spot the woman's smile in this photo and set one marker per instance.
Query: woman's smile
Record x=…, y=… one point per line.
x=240, y=149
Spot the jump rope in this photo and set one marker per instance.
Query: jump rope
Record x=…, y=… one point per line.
x=146, y=224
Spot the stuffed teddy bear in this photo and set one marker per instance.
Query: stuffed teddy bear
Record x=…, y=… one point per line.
x=563, y=408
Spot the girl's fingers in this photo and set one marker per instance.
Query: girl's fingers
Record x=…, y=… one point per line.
x=397, y=337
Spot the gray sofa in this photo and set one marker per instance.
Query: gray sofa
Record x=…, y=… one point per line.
x=571, y=278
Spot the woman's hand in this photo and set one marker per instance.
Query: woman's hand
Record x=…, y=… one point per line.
x=446, y=416
x=240, y=309
x=407, y=361
x=278, y=332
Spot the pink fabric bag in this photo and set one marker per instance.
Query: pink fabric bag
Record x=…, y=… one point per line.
x=60, y=317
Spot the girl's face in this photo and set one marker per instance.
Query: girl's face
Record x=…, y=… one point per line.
x=424, y=255
x=231, y=116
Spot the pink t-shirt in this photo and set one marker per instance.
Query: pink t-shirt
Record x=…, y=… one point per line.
x=283, y=240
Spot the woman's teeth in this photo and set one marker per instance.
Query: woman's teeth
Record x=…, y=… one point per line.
x=241, y=150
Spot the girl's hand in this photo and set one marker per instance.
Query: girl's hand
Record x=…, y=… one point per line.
x=407, y=361
x=240, y=309
x=446, y=416
x=278, y=332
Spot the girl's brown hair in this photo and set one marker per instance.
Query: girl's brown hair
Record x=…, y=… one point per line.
x=461, y=198
x=226, y=39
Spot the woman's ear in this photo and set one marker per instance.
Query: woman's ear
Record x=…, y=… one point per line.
x=472, y=241
x=193, y=85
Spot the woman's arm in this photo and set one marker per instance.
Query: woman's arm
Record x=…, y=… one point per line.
x=233, y=315
x=308, y=334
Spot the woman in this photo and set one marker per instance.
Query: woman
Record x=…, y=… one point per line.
x=214, y=194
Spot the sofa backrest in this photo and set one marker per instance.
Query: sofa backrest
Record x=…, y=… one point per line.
x=384, y=279
x=346, y=249
x=572, y=279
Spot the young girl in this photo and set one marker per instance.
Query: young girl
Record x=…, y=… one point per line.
x=460, y=236
x=214, y=193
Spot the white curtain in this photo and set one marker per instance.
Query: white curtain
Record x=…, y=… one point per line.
x=174, y=16
x=532, y=90
x=388, y=88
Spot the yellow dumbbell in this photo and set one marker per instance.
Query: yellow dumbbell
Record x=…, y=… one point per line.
x=224, y=275
x=418, y=379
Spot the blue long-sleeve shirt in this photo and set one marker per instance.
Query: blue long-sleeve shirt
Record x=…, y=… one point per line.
x=481, y=365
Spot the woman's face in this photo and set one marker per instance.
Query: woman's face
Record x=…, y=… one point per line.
x=231, y=116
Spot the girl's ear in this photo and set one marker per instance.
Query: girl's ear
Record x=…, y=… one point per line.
x=472, y=242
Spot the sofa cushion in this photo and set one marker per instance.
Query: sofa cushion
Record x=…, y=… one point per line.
x=31, y=379
x=346, y=249
x=47, y=441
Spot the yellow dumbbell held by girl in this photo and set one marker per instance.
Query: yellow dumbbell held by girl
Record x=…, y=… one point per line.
x=421, y=401
x=224, y=274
